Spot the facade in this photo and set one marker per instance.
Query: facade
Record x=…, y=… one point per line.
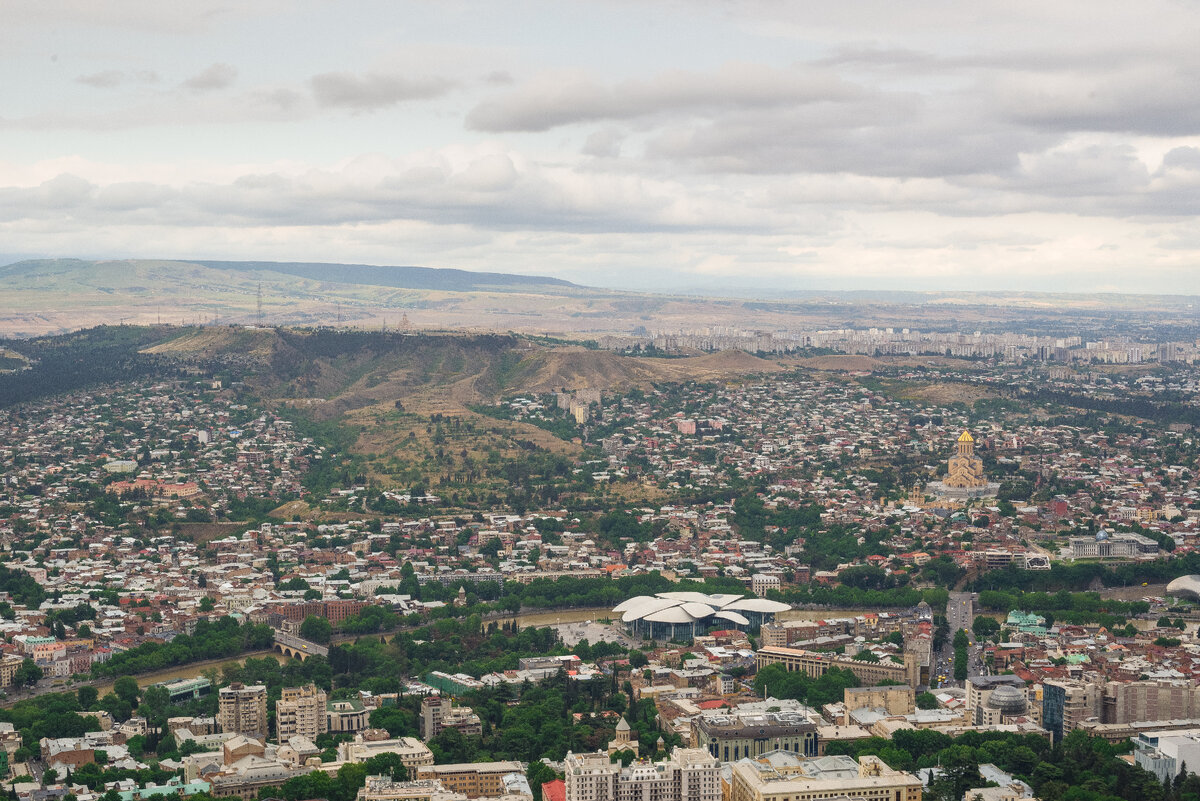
x=473, y=779
x=9, y=664
x=346, y=716
x=733, y=737
x=964, y=477
x=816, y=663
x=892, y=699
x=1066, y=704
x=689, y=774
x=979, y=693
x=243, y=710
x=438, y=713
x=1125, y=545
x=413, y=753
x=1165, y=753
x=1137, y=701
x=301, y=711
x=965, y=468
x=828, y=777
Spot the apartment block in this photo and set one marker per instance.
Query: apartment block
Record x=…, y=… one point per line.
x=243, y=710
x=301, y=711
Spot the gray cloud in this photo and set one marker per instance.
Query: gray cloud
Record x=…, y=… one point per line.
x=373, y=90
x=498, y=78
x=218, y=76
x=554, y=101
x=108, y=79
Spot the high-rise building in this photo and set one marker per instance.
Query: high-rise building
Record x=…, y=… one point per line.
x=689, y=774
x=1067, y=703
x=243, y=710
x=301, y=711
x=438, y=713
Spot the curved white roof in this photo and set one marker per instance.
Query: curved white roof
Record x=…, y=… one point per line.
x=1185, y=587
x=630, y=603
x=648, y=605
x=760, y=605
x=698, y=610
x=691, y=597
x=689, y=607
x=676, y=614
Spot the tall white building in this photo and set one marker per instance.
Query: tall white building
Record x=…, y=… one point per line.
x=689, y=774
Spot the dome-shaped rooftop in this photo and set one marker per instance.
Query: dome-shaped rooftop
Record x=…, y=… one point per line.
x=1185, y=587
x=1008, y=700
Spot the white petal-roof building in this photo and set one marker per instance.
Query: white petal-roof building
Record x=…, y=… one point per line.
x=1185, y=587
x=683, y=615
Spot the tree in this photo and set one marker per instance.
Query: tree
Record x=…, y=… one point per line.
x=316, y=629
x=28, y=673
x=637, y=659
x=985, y=626
x=87, y=697
x=539, y=773
x=207, y=604
x=126, y=688
x=154, y=705
x=927, y=701
x=960, y=664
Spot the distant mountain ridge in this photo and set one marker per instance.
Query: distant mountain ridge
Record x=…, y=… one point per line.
x=401, y=277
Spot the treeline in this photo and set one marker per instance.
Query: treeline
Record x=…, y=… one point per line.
x=1159, y=412
x=1064, y=607
x=1080, y=575
x=849, y=597
x=1079, y=768
x=102, y=355
x=21, y=587
x=829, y=688
x=224, y=638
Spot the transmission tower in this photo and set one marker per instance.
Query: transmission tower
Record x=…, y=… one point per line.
x=260, y=311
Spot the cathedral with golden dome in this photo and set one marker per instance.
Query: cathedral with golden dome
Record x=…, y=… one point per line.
x=964, y=477
x=966, y=469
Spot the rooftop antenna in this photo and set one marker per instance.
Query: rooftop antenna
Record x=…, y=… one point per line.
x=260, y=311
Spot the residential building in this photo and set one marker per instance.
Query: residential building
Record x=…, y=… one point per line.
x=1067, y=703
x=243, y=710
x=301, y=711
x=438, y=713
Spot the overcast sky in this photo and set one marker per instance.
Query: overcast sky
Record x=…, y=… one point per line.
x=641, y=144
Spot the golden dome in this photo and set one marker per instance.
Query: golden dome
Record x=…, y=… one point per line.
x=966, y=437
